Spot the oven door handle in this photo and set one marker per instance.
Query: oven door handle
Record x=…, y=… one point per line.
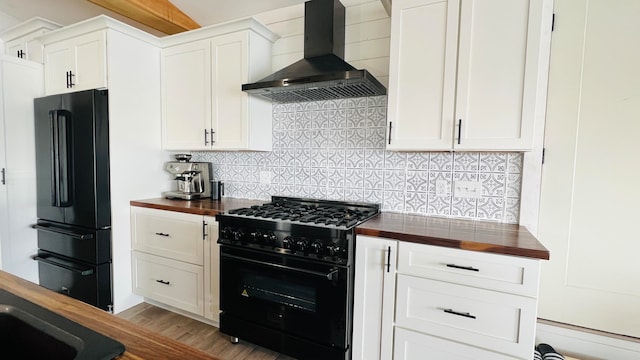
x=61, y=231
x=81, y=272
x=329, y=276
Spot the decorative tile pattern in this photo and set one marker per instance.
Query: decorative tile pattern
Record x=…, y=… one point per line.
x=336, y=150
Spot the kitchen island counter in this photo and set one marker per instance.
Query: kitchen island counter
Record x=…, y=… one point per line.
x=139, y=343
x=483, y=236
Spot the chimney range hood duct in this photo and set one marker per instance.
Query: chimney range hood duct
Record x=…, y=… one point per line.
x=322, y=74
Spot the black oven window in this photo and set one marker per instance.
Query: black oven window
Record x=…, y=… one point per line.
x=279, y=291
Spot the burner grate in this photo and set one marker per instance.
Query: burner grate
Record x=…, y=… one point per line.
x=318, y=212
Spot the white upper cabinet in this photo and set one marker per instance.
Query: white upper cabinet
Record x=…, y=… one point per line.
x=21, y=40
x=77, y=63
x=186, y=95
x=467, y=74
x=204, y=107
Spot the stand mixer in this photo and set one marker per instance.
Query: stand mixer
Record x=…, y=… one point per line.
x=192, y=178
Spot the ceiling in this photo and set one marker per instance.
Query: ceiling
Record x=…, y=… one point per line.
x=65, y=12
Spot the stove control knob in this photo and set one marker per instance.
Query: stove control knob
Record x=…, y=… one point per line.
x=317, y=247
x=238, y=235
x=334, y=249
x=225, y=232
x=270, y=238
x=288, y=242
x=302, y=245
x=256, y=236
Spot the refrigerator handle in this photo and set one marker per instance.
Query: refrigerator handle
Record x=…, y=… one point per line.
x=62, y=231
x=61, y=158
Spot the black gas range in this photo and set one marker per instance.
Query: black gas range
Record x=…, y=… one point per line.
x=286, y=274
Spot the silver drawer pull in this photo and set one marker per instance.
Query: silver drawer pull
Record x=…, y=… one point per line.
x=464, y=314
x=162, y=234
x=164, y=282
x=470, y=268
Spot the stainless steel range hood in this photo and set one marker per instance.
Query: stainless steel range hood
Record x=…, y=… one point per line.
x=322, y=74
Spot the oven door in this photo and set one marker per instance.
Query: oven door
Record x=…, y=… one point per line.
x=303, y=298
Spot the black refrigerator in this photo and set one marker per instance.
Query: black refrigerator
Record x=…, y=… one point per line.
x=73, y=196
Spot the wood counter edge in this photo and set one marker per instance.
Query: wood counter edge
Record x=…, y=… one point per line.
x=139, y=342
x=458, y=244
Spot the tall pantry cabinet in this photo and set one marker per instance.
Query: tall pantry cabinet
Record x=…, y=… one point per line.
x=127, y=62
x=467, y=74
x=20, y=82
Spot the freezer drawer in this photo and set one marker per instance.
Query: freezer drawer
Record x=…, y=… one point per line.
x=85, y=282
x=87, y=245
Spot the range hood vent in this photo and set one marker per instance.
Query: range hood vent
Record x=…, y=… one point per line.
x=322, y=74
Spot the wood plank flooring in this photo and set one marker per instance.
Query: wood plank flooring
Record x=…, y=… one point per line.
x=196, y=334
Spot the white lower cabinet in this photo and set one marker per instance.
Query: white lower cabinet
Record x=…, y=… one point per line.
x=171, y=282
x=442, y=303
x=411, y=345
x=374, y=295
x=175, y=260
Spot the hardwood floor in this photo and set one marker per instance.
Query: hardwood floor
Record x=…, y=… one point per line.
x=196, y=334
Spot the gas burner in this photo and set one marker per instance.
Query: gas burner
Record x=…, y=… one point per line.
x=311, y=211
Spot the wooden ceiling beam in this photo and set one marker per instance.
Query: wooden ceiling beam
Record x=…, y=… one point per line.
x=161, y=15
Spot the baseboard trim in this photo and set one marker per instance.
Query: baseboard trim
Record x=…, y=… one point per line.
x=587, y=344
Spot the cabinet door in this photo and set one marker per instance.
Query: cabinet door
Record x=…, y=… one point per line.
x=91, y=61
x=374, y=294
x=173, y=235
x=229, y=61
x=589, y=198
x=498, y=70
x=168, y=281
x=17, y=49
x=59, y=59
x=488, y=319
x=186, y=96
x=212, y=271
x=422, y=74
x=21, y=81
x=84, y=56
x=411, y=345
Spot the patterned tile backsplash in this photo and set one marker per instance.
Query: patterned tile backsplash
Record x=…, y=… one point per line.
x=336, y=150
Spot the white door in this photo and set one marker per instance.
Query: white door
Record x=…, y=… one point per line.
x=498, y=63
x=186, y=96
x=59, y=59
x=589, y=202
x=422, y=74
x=374, y=299
x=91, y=61
x=229, y=61
x=21, y=83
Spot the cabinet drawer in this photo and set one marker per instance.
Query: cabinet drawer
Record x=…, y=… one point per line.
x=173, y=235
x=168, y=281
x=409, y=345
x=488, y=319
x=505, y=273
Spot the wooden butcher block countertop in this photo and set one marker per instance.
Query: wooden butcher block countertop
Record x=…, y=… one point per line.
x=483, y=236
x=139, y=342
